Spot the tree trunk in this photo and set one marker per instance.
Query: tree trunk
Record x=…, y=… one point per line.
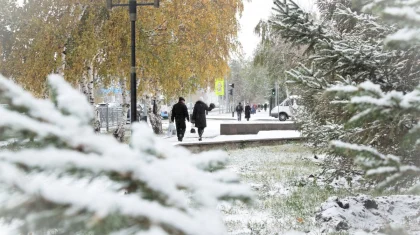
x=154, y=115
x=119, y=133
x=83, y=85
x=62, y=68
x=91, y=99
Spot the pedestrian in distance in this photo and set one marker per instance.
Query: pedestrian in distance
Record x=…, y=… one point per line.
x=199, y=116
x=171, y=127
x=239, y=109
x=265, y=107
x=247, y=111
x=179, y=114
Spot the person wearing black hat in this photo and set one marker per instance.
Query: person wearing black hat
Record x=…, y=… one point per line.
x=179, y=114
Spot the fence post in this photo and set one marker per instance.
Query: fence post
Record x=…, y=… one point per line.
x=118, y=118
x=107, y=117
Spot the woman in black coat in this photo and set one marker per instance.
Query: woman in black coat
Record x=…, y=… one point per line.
x=247, y=112
x=199, y=116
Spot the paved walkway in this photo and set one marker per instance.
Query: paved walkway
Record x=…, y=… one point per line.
x=259, y=116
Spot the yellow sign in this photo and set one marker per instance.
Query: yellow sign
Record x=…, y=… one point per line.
x=219, y=87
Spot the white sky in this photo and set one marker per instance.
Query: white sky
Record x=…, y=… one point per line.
x=253, y=12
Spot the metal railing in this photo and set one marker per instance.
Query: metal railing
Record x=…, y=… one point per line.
x=110, y=116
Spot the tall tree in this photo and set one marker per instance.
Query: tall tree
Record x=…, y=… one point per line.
x=350, y=54
x=83, y=41
x=277, y=56
x=251, y=81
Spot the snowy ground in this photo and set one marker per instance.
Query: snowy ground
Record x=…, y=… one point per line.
x=289, y=198
x=273, y=172
x=370, y=214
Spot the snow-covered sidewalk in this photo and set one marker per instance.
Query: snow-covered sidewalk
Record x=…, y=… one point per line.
x=212, y=134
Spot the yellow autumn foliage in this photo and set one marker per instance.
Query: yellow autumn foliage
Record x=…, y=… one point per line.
x=183, y=45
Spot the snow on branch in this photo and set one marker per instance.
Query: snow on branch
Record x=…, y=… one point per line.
x=406, y=14
x=69, y=100
x=366, y=149
x=380, y=164
x=86, y=182
x=372, y=95
x=296, y=25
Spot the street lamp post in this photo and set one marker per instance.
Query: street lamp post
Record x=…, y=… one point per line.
x=132, y=7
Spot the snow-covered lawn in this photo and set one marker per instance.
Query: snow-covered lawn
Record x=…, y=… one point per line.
x=282, y=205
x=289, y=197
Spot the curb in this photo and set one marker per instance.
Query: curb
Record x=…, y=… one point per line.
x=236, y=144
x=234, y=119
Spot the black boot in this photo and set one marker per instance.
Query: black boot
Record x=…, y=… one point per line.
x=200, y=133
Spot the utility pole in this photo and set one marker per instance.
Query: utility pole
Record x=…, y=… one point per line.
x=226, y=110
x=233, y=100
x=277, y=94
x=132, y=8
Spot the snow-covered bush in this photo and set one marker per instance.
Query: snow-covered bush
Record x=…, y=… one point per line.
x=77, y=182
x=360, y=54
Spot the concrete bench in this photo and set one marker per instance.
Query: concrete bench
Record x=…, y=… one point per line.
x=198, y=147
x=254, y=128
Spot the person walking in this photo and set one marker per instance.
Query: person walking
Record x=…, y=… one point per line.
x=239, y=109
x=171, y=127
x=199, y=116
x=265, y=107
x=247, y=111
x=179, y=114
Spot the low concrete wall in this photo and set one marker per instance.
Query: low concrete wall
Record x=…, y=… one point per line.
x=236, y=144
x=253, y=128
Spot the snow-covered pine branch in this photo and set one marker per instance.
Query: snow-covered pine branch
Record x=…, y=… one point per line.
x=376, y=83
x=74, y=180
x=357, y=51
x=406, y=14
x=377, y=107
x=388, y=167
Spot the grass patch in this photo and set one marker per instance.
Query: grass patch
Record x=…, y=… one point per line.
x=287, y=198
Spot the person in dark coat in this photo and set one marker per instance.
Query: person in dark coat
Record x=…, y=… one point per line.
x=199, y=116
x=265, y=107
x=247, y=111
x=179, y=114
x=239, y=109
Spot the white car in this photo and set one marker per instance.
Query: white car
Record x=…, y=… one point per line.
x=287, y=108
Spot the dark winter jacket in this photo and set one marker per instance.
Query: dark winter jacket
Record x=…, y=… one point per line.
x=180, y=112
x=239, y=108
x=199, y=114
x=247, y=111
